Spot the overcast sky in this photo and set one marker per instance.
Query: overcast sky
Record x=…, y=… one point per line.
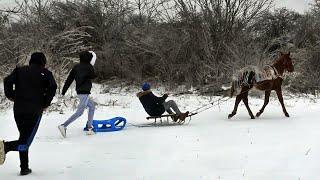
x=298, y=5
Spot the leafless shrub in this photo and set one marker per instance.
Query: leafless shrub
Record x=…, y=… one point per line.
x=191, y=42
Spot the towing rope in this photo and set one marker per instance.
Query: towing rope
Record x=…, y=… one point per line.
x=212, y=105
x=207, y=107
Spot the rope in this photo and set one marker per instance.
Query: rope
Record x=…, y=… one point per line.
x=212, y=105
x=136, y=125
x=209, y=105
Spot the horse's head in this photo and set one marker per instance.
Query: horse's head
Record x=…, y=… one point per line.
x=287, y=62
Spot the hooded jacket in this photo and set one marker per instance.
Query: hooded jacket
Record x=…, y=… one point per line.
x=32, y=88
x=152, y=104
x=82, y=73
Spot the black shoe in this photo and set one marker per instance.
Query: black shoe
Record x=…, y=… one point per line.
x=24, y=172
x=183, y=116
x=175, y=118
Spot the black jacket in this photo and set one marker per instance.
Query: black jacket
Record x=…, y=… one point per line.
x=82, y=73
x=152, y=104
x=32, y=88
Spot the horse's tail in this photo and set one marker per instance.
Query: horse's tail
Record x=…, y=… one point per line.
x=246, y=77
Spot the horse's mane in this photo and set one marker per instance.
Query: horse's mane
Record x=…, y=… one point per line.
x=278, y=60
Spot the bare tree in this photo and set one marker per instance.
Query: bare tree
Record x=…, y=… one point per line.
x=64, y=49
x=195, y=42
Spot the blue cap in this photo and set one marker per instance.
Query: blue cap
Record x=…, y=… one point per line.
x=145, y=86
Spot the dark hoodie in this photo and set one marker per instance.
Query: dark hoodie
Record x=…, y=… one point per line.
x=32, y=87
x=82, y=73
x=152, y=104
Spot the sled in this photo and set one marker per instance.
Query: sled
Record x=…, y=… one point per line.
x=110, y=125
x=157, y=125
x=167, y=116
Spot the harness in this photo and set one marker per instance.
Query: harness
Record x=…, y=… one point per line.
x=277, y=74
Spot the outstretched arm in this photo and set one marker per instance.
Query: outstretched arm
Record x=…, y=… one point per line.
x=162, y=99
x=68, y=82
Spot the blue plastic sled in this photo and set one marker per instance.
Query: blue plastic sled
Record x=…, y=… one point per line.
x=114, y=124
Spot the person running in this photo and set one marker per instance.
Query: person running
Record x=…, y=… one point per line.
x=32, y=89
x=156, y=106
x=82, y=73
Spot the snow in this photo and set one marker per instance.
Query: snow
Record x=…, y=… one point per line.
x=210, y=147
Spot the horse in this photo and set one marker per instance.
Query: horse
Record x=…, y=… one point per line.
x=267, y=79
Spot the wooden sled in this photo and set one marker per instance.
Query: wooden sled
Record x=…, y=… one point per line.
x=167, y=116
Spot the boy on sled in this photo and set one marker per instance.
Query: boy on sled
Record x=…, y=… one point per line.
x=156, y=106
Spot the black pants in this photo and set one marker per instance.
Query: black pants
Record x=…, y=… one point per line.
x=27, y=124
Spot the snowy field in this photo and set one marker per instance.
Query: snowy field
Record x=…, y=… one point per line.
x=210, y=147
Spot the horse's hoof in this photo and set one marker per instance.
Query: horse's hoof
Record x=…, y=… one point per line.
x=286, y=114
x=230, y=116
x=252, y=117
x=258, y=114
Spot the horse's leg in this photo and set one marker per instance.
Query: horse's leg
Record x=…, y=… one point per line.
x=266, y=101
x=280, y=97
x=238, y=100
x=246, y=103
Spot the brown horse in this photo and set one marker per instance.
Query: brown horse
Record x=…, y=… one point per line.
x=261, y=80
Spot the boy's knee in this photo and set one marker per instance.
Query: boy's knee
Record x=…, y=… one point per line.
x=92, y=107
x=80, y=111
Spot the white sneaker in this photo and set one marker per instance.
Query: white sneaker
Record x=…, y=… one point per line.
x=2, y=153
x=63, y=131
x=90, y=132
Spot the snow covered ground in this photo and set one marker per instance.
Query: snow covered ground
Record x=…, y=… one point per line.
x=210, y=147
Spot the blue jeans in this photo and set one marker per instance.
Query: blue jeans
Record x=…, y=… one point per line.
x=85, y=102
